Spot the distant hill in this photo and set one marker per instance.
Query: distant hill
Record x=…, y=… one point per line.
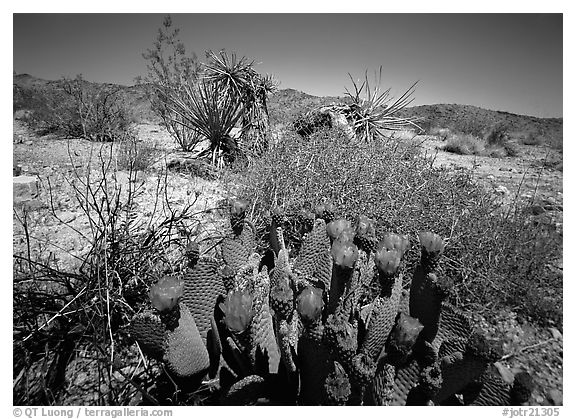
x=285, y=104
x=455, y=116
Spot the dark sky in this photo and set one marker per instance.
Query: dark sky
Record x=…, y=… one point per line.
x=510, y=62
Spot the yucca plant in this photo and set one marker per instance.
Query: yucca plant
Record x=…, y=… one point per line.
x=373, y=111
x=212, y=111
x=237, y=77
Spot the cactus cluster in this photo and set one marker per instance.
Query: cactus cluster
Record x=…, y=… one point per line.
x=334, y=324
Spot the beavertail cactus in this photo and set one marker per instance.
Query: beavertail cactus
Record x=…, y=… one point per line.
x=172, y=335
x=186, y=354
x=326, y=211
x=332, y=326
x=202, y=285
x=305, y=219
x=427, y=290
x=344, y=255
x=460, y=369
x=337, y=386
x=192, y=253
x=402, y=339
x=282, y=299
x=311, y=258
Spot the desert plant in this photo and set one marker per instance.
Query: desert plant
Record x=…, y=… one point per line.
x=465, y=144
x=373, y=110
x=237, y=77
x=98, y=112
x=301, y=173
x=398, y=349
x=132, y=155
x=498, y=135
x=67, y=318
x=169, y=68
x=213, y=112
x=531, y=138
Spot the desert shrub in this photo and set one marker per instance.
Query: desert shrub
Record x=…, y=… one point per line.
x=391, y=183
x=169, y=68
x=132, y=154
x=441, y=133
x=76, y=109
x=69, y=320
x=465, y=144
x=498, y=135
x=309, y=122
x=531, y=138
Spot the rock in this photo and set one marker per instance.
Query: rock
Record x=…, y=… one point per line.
x=24, y=188
x=506, y=374
x=67, y=217
x=502, y=190
x=556, y=334
x=555, y=397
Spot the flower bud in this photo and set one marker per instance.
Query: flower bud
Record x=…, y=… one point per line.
x=432, y=243
x=309, y=304
x=336, y=227
x=344, y=253
x=393, y=241
x=238, y=207
x=165, y=293
x=364, y=226
x=387, y=261
x=237, y=309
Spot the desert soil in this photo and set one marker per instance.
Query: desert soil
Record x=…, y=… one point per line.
x=534, y=176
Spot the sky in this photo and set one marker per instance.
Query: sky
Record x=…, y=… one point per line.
x=509, y=62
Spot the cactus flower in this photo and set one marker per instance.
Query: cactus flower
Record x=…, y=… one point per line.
x=344, y=253
x=166, y=292
x=319, y=211
x=407, y=330
x=336, y=227
x=388, y=261
x=393, y=241
x=309, y=304
x=238, y=207
x=432, y=243
x=364, y=226
x=237, y=309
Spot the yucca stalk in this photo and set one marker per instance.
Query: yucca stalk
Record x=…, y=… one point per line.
x=213, y=112
x=374, y=111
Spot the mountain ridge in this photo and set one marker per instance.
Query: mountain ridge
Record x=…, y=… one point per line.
x=285, y=104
